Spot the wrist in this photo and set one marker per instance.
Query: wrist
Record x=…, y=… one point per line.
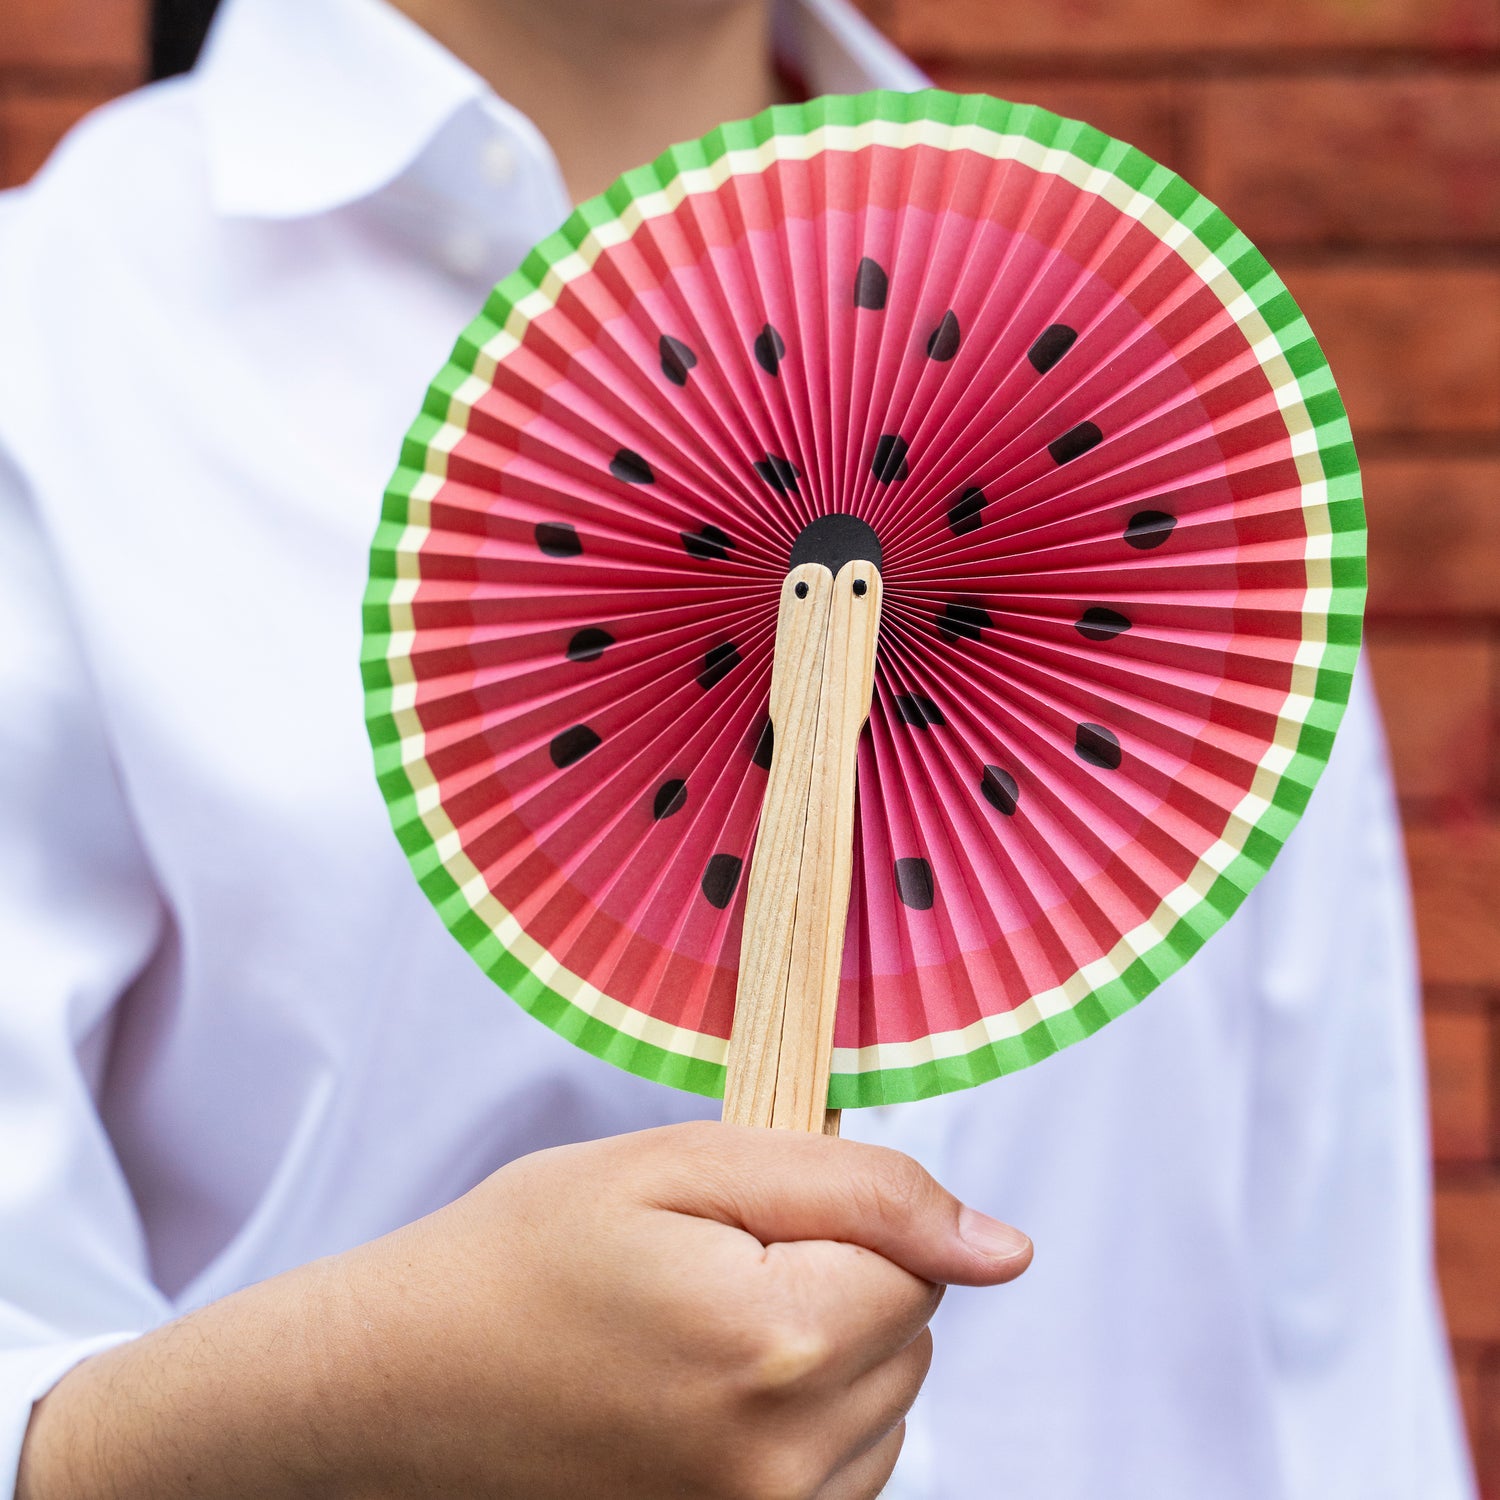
x=237, y=1399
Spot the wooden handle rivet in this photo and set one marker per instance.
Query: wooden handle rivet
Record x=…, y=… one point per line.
x=859, y=588
x=802, y=591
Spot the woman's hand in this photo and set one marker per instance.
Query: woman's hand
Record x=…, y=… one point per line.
x=698, y=1311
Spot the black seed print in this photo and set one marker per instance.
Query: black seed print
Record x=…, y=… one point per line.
x=1075, y=442
x=1095, y=744
x=708, y=542
x=914, y=883
x=890, y=458
x=967, y=512
x=918, y=709
x=1051, y=346
x=718, y=662
x=589, y=644
x=1000, y=790
x=1101, y=624
x=671, y=797
x=780, y=473
x=630, y=468
x=770, y=350
x=676, y=359
x=871, y=285
x=963, y=622
x=1149, y=528
x=765, y=747
x=558, y=539
x=572, y=744
x=720, y=879
x=943, y=344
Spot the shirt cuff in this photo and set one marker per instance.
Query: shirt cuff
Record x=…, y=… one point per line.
x=26, y=1375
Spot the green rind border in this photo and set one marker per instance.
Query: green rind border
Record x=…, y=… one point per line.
x=1334, y=456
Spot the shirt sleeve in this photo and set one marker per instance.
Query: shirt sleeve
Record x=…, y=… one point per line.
x=1340, y=1193
x=79, y=915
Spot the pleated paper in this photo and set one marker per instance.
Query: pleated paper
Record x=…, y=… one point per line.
x=1123, y=567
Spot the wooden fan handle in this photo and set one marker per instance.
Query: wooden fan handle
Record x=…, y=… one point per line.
x=801, y=1101
x=797, y=906
x=771, y=897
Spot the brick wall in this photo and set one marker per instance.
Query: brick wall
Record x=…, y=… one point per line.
x=1358, y=142
x=59, y=58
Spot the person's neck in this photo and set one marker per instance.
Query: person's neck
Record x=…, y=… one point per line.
x=612, y=83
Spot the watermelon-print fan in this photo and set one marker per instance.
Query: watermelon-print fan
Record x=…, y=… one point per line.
x=970, y=417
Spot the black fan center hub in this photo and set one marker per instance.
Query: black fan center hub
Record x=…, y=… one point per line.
x=833, y=540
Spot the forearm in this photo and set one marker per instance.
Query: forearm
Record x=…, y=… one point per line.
x=241, y=1398
x=702, y=1311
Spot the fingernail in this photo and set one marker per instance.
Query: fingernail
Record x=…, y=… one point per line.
x=991, y=1237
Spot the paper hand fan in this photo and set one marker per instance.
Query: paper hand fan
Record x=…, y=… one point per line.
x=1071, y=499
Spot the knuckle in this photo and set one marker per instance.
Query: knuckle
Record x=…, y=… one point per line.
x=900, y=1190
x=923, y=1356
x=890, y=1451
x=784, y=1355
x=778, y=1472
x=918, y=1361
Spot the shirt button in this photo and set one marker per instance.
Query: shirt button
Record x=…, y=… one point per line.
x=498, y=163
x=467, y=252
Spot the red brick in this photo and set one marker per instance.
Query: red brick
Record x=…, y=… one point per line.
x=1468, y=1368
x=55, y=34
x=1436, y=697
x=881, y=12
x=1143, y=112
x=1478, y=1369
x=1434, y=536
x=981, y=28
x=32, y=124
x=1468, y=1254
x=1460, y=1079
x=1456, y=882
x=1486, y=1422
x=1414, y=350
x=1354, y=160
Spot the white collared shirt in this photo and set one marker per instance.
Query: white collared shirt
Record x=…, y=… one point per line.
x=233, y=1034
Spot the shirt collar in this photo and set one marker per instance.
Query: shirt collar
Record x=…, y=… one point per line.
x=311, y=106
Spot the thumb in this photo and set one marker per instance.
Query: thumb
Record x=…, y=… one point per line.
x=780, y=1185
